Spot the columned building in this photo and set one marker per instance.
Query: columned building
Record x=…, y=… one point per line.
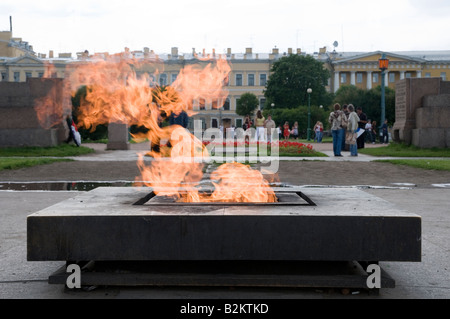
x=361, y=69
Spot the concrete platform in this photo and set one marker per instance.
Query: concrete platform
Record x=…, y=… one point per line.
x=342, y=224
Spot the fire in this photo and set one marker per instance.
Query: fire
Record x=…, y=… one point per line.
x=116, y=94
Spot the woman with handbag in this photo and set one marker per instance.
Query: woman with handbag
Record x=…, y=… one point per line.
x=352, y=127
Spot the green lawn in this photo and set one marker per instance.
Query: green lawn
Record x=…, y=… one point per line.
x=402, y=150
x=16, y=163
x=429, y=164
x=57, y=151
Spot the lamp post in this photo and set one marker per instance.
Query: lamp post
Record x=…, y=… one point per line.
x=383, y=64
x=309, y=114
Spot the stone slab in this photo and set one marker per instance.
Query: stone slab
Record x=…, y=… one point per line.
x=118, y=137
x=431, y=137
x=104, y=225
x=28, y=137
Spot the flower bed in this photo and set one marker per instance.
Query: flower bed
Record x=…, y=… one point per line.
x=286, y=148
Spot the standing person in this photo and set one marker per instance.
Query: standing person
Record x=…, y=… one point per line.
x=374, y=132
x=181, y=119
x=246, y=126
x=270, y=127
x=286, y=130
x=385, y=132
x=347, y=113
x=247, y=123
x=361, y=124
x=295, y=131
x=336, y=118
x=259, y=123
x=318, y=132
x=368, y=129
x=351, y=135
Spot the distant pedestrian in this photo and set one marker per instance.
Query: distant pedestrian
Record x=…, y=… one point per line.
x=352, y=128
x=336, y=120
x=347, y=113
x=286, y=130
x=385, y=132
x=295, y=131
x=374, y=132
x=361, y=125
x=270, y=127
x=181, y=119
x=318, y=132
x=259, y=122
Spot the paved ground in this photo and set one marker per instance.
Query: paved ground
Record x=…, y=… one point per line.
x=425, y=193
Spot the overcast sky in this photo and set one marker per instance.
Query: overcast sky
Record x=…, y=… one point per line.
x=111, y=25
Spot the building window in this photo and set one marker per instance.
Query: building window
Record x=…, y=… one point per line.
x=428, y=75
x=343, y=78
x=16, y=76
x=443, y=76
x=375, y=78
x=263, y=79
x=359, y=78
x=163, y=79
x=238, y=79
x=391, y=77
x=41, y=74
x=262, y=103
x=202, y=104
x=3, y=76
x=214, y=123
x=28, y=75
x=238, y=122
x=174, y=77
x=226, y=105
x=251, y=80
x=408, y=75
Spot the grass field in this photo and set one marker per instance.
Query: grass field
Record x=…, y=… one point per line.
x=16, y=163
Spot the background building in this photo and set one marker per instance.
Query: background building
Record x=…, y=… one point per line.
x=250, y=71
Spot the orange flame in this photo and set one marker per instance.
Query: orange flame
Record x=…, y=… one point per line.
x=116, y=94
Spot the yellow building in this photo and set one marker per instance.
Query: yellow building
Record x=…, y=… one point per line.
x=361, y=69
x=250, y=71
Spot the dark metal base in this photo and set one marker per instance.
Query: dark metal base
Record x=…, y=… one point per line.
x=341, y=275
x=341, y=224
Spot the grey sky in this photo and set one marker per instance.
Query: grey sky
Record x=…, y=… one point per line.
x=111, y=25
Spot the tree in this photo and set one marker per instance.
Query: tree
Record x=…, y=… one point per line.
x=101, y=131
x=291, y=77
x=247, y=104
x=369, y=100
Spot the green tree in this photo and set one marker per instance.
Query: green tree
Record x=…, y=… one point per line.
x=247, y=104
x=101, y=131
x=369, y=100
x=290, y=79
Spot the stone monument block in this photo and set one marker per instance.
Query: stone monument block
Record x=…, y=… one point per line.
x=432, y=117
x=408, y=98
x=19, y=124
x=430, y=137
x=118, y=137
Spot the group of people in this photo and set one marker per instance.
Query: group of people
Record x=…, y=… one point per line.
x=351, y=126
x=264, y=127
